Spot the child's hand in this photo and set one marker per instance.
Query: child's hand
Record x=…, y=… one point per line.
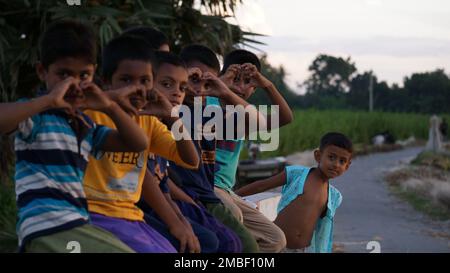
x=157, y=105
x=124, y=95
x=194, y=74
x=94, y=98
x=231, y=74
x=195, y=81
x=214, y=86
x=63, y=94
x=252, y=77
x=187, y=238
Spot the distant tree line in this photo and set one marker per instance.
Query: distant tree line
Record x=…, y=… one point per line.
x=335, y=83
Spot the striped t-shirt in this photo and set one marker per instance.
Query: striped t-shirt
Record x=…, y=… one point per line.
x=52, y=152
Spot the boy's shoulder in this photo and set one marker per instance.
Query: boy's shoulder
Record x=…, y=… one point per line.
x=297, y=173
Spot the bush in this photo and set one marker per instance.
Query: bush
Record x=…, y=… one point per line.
x=8, y=214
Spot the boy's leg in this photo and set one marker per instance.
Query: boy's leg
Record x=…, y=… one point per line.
x=224, y=215
x=228, y=201
x=83, y=239
x=269, y=236
x=136, y=234
x=209, y=242
x=229, y=241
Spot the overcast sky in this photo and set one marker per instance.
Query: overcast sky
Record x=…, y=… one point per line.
x=394, y=38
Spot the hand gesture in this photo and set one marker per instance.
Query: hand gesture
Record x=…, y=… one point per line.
x=195, y=81
x=231, y=74
x=123, y=96
x=94, y=97
x=252, y=78
x=157, y=105
x=214, y=86
x=64, y=93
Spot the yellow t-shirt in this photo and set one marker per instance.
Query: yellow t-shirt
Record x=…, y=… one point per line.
x=113, y=180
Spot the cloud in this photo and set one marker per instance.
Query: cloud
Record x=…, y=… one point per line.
x=381, y=45
x=252, y=17
x=392, y=38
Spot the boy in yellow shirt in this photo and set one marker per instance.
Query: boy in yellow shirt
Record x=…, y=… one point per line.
x=114, y=181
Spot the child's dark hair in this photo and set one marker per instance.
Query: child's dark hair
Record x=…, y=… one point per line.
x=67, y=38
x=152, y=36
x=164, y=57
x=125, y=47
x=336, y=139
x=200, y=53
x=240, y=56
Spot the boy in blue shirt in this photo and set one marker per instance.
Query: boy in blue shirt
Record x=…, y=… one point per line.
x=308, y=202
x=199, y=184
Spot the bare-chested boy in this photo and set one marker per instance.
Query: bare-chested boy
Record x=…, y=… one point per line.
x=308, y=203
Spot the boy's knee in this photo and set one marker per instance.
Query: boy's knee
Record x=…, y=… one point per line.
x=236, y=211
x=281, y=242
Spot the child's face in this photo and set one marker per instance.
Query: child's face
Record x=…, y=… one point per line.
x=133, y=72
x=172, y=82
x=198, y=86
x=78, y=68
x=333, y=161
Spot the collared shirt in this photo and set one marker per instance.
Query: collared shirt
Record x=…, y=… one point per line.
x=52, y=151
x=322, y=240
x=113, y=181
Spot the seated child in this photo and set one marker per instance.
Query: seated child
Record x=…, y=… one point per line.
x=229, y=242
x=161, y=212
x=242, y=74
x=308, y=203
x=54, y=139
x=114, y=181
x=199, y=184
x=171, y=80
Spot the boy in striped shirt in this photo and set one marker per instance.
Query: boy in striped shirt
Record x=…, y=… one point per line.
x=54, y=139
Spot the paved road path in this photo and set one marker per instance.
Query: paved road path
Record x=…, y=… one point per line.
x=370, y=212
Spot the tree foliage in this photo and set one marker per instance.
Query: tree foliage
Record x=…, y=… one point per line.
x=335, y=82
x=183, y=21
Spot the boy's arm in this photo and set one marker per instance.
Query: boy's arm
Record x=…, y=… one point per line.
x=156, y=200
x=11, y=114
x=285, y=113
x=178, y=194
x=185, y=147
x=220, y=90
x=178, y=212
x=263, y=185
x=180, y=215
x=259, y=80
x=128, y=137
x=160, y=107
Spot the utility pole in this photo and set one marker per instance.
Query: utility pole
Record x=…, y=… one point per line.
x=371, y=92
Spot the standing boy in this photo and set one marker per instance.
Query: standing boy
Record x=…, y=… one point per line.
x=308, y=202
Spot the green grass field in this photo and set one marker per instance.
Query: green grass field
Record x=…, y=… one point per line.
x=308, y=126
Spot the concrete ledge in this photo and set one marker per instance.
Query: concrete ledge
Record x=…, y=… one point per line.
x=266, y=203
